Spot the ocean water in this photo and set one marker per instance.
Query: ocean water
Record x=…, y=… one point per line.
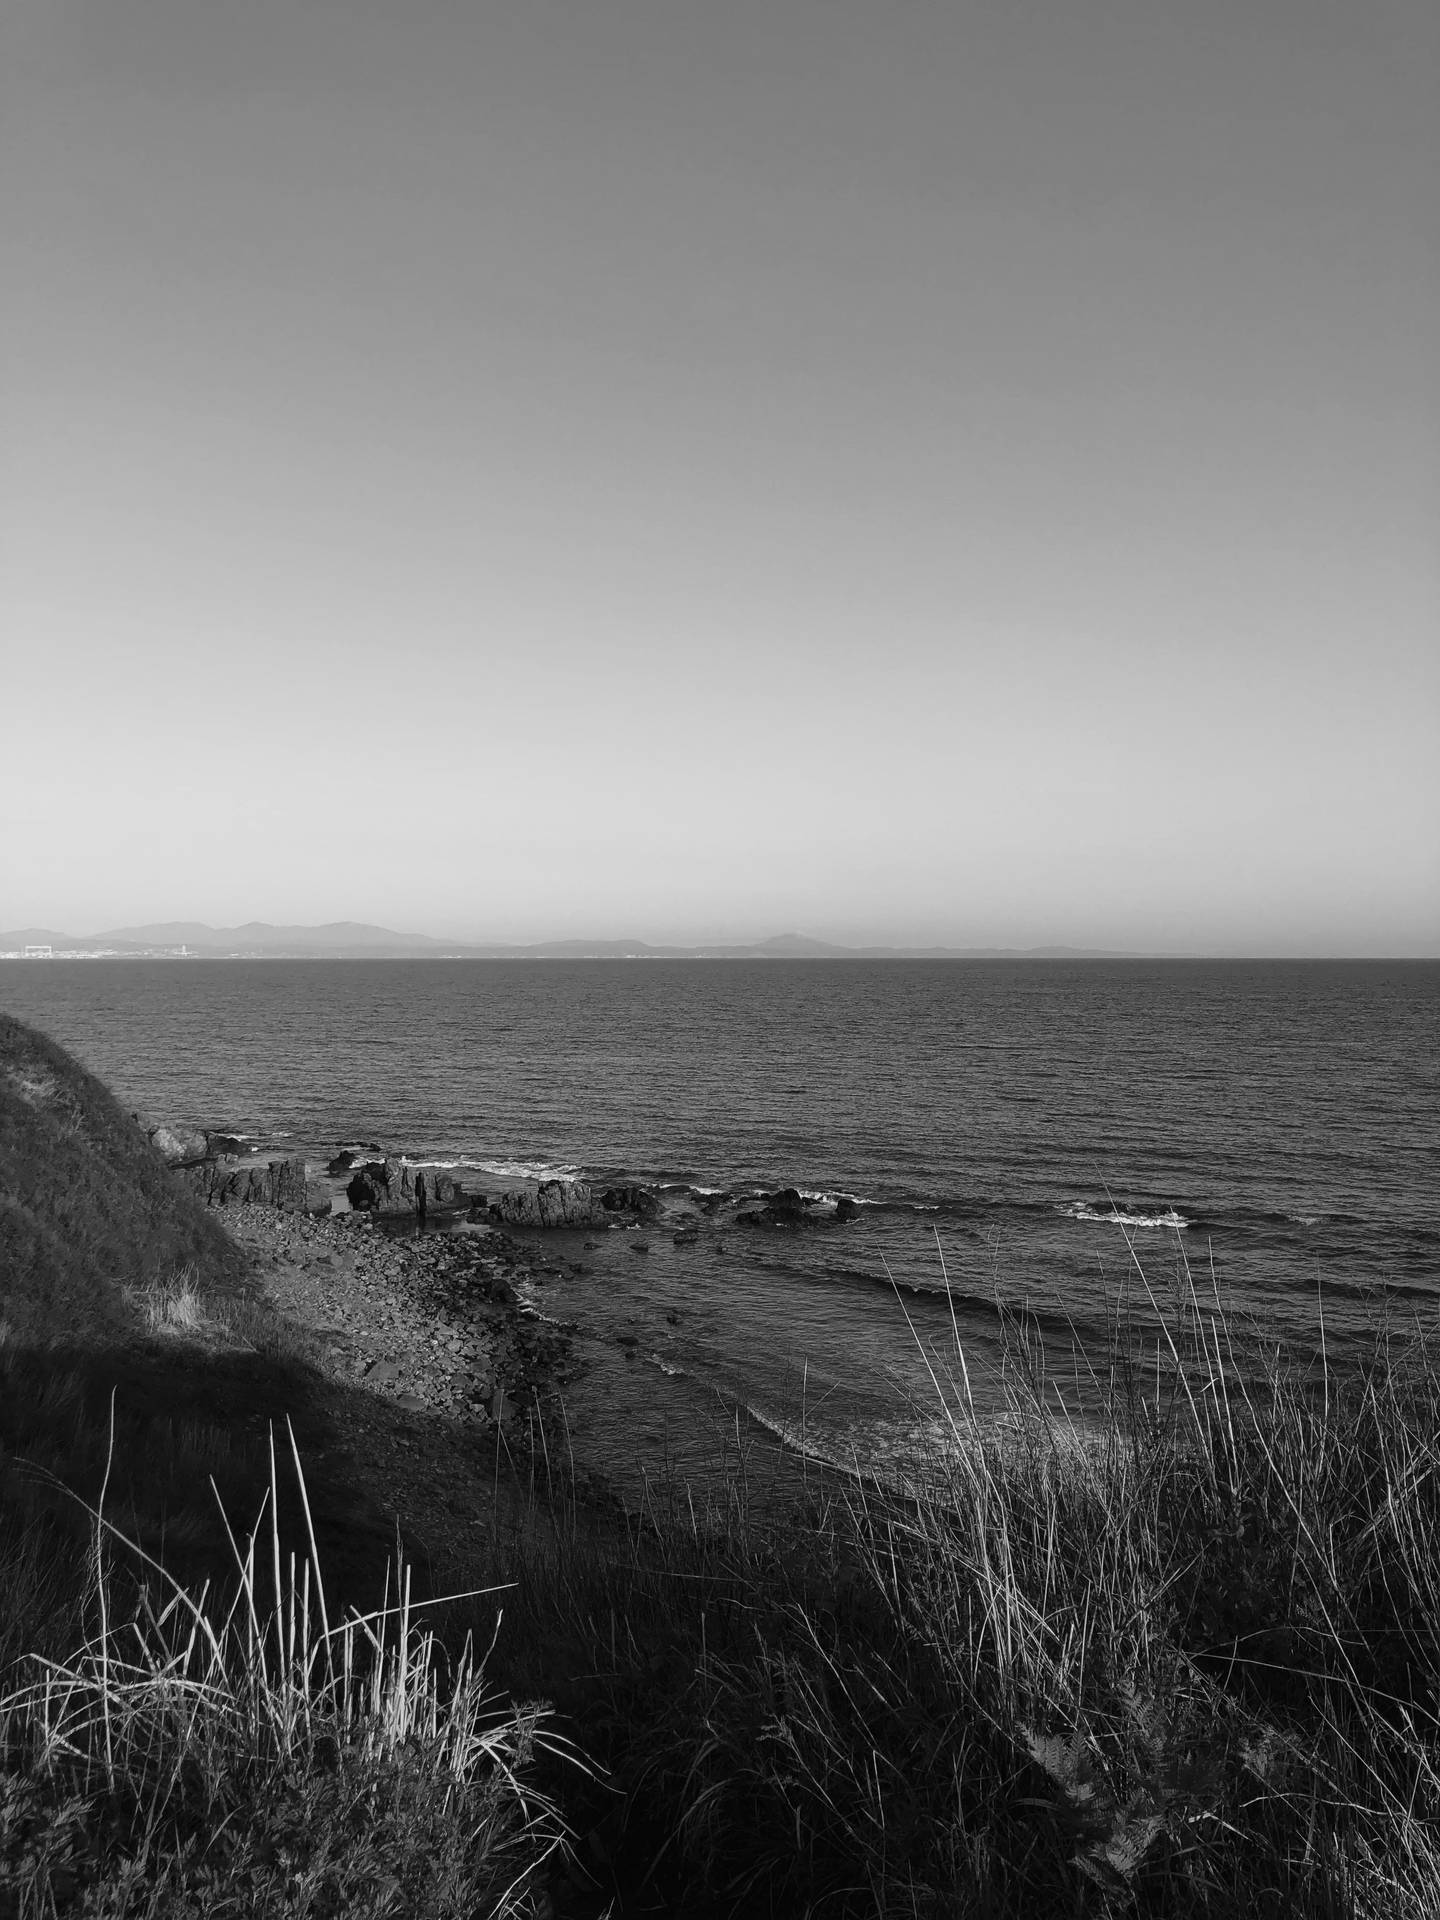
x=1020, y=1135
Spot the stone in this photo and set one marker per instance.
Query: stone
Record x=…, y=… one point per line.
x=637, y=1200
x=363, y=1192
x=177, y=1149
x=686, y=1237
x=846, y=1209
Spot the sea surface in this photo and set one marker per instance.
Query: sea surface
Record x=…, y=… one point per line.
x=1038, y=1143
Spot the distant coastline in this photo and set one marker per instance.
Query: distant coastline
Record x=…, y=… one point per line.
x=356, y=940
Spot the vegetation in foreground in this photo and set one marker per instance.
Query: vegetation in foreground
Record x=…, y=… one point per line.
x=1179, y=1660
x=1182, y=1660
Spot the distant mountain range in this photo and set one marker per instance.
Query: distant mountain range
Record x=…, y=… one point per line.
x=353, y=939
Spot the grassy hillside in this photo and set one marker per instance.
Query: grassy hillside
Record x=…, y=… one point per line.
x=87, y=1209
x=192, y=1718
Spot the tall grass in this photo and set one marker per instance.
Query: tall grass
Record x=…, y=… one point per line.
x=247, y=1755
x=1178, y=1653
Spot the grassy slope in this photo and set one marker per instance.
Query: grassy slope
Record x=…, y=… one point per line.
x=94, y=1233
x=86, y=1207
x=224, y=1759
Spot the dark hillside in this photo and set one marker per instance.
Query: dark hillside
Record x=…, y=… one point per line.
x=86, y=1206
x=136, y=1351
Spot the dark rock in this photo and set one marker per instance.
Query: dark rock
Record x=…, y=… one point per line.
x=788, y=1208
x=686, y=1237
x=554, y=1203
x=637, y=1200
x=217, y=1145
x=274, y=1183
x=363, y=1193
x=390, y=1186
x=342, y=1163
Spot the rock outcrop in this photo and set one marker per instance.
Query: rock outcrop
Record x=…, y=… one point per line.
x=554, y=1203
x=228, y=1183
x=789, y=1208
x=638, y=1201
x=571, y=1203
x=392, y=1186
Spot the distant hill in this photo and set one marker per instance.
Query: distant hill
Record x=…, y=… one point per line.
x=355, y=939
x=259, y=936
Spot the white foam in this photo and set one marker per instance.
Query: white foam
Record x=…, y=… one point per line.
x=517, y=1169
x=673, y=1373
x=1124, y=1217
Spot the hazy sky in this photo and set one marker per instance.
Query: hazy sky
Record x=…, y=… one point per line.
x=900, y=471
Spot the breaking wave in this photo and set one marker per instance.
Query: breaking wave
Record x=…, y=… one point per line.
x=1125, y=1216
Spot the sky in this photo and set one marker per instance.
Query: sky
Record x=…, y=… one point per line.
x=694, y=469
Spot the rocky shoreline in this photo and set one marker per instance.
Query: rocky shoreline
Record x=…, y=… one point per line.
x=490, y=1338
x=438, y=1322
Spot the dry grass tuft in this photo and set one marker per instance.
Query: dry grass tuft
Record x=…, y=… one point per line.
x=250, y=1756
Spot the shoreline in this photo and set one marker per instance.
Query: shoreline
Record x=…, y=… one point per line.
x=420, y=1341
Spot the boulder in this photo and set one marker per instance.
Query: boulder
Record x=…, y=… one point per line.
x=177, y=1149
x=363, y=1192
x=784, y=1208
x=219, y=1144
x=633, y=1200
x=342, y=1163
x=788, y=1208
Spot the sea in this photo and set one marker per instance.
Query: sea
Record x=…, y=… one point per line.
x=1041, y=1152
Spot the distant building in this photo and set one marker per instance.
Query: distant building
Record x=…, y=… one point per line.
x=38, y=953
